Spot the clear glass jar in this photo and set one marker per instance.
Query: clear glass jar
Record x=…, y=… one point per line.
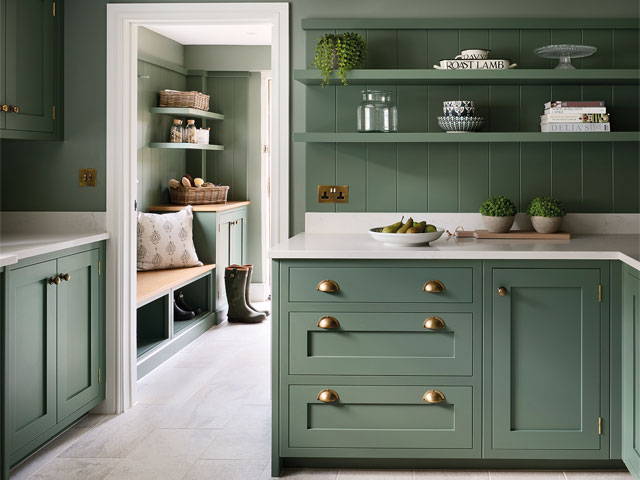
x=177, y=132
x=377, y=113
x=190, y=132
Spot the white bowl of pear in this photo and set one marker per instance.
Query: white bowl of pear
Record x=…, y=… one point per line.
x=409, y=234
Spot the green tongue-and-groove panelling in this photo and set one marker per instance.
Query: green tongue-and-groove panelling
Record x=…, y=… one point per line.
x=457, y=177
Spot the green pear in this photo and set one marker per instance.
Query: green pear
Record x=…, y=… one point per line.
x=431, y=228
x=406, y=226
x=393, y=228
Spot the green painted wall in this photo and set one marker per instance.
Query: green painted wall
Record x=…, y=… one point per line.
x=222, y=58
x=85, y=87
x=153, y=44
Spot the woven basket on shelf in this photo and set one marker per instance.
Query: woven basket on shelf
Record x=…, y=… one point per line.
x=176, y=98
x=198, y=195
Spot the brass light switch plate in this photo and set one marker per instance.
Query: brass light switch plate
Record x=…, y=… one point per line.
x=333, y=193
x=87, y=177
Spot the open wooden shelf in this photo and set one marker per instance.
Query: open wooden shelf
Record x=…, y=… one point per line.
x=471, y=137
x=601, y=76
x=186, y=146
x=154, y=283
x=187, y=112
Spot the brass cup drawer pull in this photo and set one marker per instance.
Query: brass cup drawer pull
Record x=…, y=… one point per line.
x=4, y=107
x=14, y=109
x=64, y=276
x=328, y=396
x=328, y=286
x=502, y=292
x=434, y=286
x=328, y=322
x=54, y=280
x=434, y=323
x=434, y=396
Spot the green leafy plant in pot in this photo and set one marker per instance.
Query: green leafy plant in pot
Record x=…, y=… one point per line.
x=341, y=53
x=498, y=214
x=546, y=214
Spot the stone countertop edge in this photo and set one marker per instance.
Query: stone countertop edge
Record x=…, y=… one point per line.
x=18, y=246
x=623, y=247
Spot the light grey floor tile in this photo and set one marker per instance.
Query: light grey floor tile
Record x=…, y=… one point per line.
x=46, y=454
x=77, y=469
x=226, y=470
x=245, y=445
x=254, y=417
x=450, y=475
x=161, y=469
x=598, y=475
x=302, y=474
x=375, y=474
x=91, y=420
x=525, y=475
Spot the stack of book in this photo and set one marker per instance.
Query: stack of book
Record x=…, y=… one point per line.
x=575, y=116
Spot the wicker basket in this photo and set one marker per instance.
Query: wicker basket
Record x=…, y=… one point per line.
x=198, y=195
x=176, y=98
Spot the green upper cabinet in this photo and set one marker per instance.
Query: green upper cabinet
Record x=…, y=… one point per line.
x=543, y=374
x=78, y=332
x=30, y=83
x=631, y=370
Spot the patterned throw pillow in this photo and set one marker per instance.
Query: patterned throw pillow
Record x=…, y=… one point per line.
x=166, y=240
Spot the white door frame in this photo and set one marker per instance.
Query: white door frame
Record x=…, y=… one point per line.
x=122, y=45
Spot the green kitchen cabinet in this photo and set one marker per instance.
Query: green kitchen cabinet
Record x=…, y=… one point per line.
x=543, y=362
x=53, y=344
x=31, y=54
x=631, y=370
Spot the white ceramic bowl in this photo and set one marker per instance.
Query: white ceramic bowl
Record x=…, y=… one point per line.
x=405, y=239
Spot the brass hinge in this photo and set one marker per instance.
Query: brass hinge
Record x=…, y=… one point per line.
x=600, y=292
x=99, y=267
x=599, y=425
x=54, y=9
x=99, y=375
x=54, y=112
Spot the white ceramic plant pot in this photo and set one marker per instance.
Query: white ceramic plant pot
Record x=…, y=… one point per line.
x=498, y=224
x=546, y=224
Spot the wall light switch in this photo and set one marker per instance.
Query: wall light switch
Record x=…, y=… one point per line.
x=87, y=177
x=333, y=193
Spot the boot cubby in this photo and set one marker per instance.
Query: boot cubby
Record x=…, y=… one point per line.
x=196, y=294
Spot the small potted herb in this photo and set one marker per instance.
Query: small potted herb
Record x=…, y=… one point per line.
x=498, y=214
x=341, y=52
x=546, y=214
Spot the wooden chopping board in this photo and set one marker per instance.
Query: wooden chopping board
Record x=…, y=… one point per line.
x=514, y=235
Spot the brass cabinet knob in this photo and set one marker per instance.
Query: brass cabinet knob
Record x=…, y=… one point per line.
x=328, y=286
x=502, y=292
x=4, y=107
x=328, y=396
x=434, y=396
x=434, y=323
x=64, y=276
x=434, y=286
x=14, y=109
x=54, y=281
x=328, y=322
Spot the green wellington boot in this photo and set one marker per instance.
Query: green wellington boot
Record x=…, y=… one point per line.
x=235, y=281
x=246, y=293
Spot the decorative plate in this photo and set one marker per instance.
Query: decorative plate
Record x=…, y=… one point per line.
x=405, y=239
x=565, y=52
x=460, y=124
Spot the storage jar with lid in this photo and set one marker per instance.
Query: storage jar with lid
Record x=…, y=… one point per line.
x=377, y=112
x=190, y=132
x=177, y=132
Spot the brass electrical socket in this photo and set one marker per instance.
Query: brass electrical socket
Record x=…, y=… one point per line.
x=87, y=177
x=333, y=193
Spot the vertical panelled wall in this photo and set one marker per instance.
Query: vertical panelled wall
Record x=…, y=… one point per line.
x=453, y=177
x=156, y=165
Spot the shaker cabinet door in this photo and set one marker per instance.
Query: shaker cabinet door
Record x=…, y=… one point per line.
x=31, y=354
x=631, y=371
x=545, y=360
x=78, y=332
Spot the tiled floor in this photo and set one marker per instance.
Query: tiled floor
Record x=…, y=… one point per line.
x=205, y=415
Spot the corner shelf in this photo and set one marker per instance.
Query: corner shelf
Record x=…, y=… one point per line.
x=477, y=77
x=471, y=137
x=187, y=112
x=186, y=146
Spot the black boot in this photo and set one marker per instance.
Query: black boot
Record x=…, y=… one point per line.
x=182, y=303
x=180, y=314
x=246, y=293
x=235, y=281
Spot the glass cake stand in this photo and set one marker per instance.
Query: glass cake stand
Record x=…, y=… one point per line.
x=565, y=53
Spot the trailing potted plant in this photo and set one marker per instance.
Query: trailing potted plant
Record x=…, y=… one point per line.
x=498, y=214
x=341, y=52
x=546, y=214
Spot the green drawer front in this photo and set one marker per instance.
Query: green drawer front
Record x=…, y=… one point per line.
x=381, y=344
x=381, y=284
x=380, y=417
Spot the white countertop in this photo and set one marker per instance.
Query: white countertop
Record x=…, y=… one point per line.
x=361, y=246
x=15, y=246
